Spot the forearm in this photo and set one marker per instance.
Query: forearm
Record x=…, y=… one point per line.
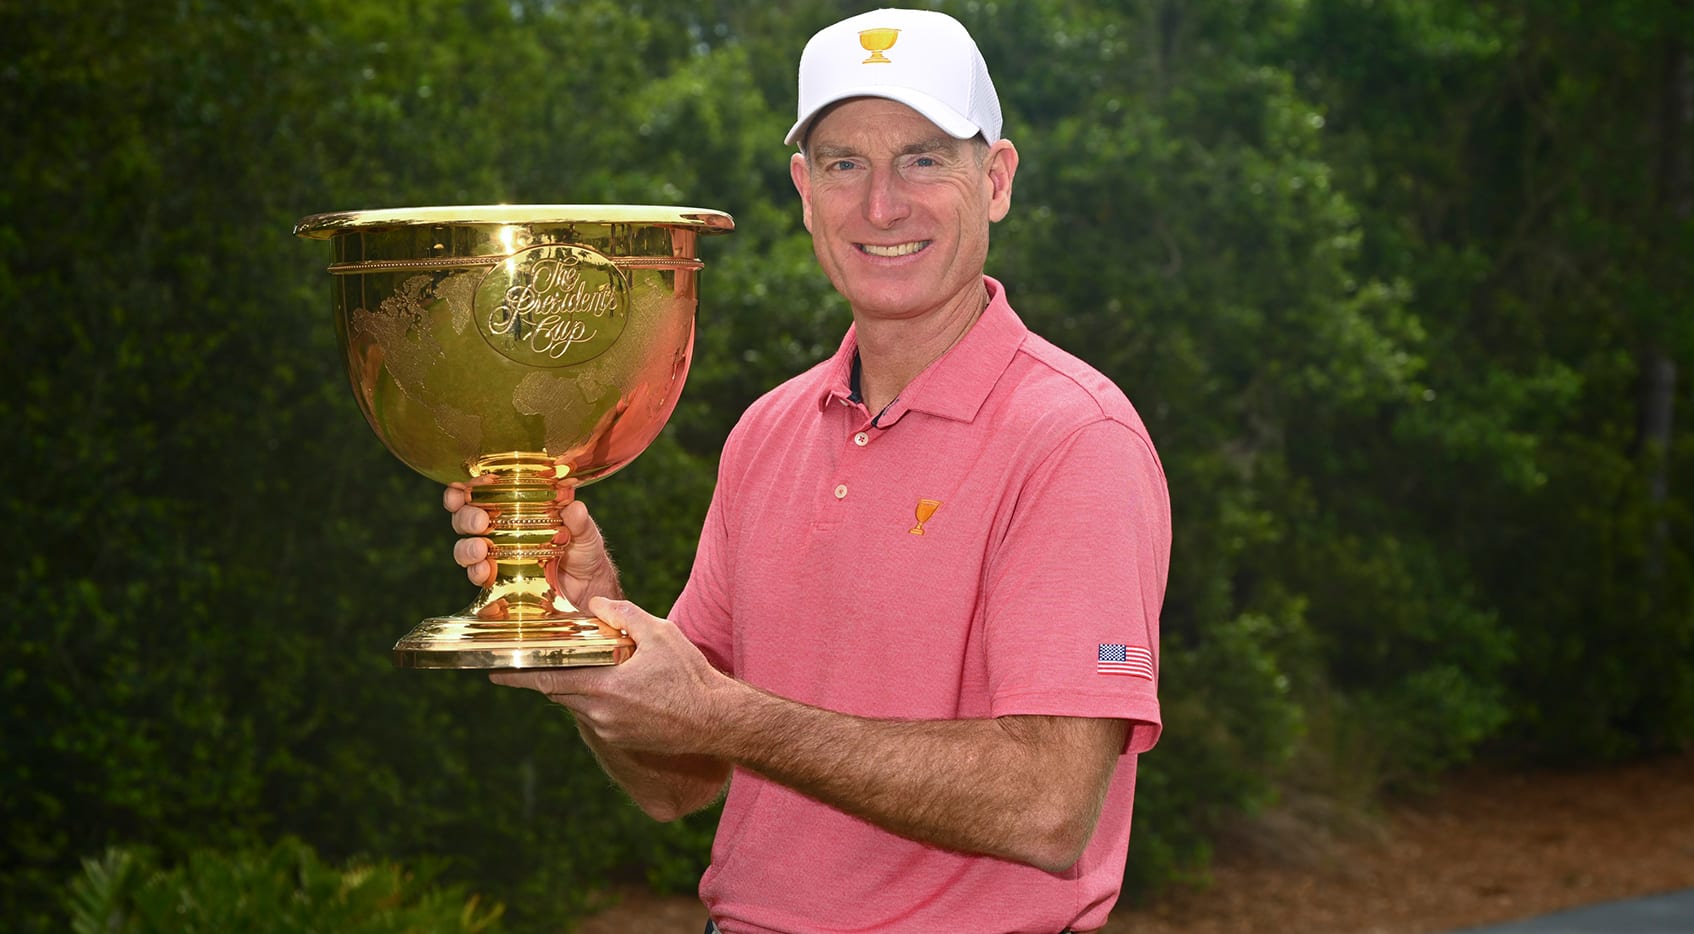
x=1027, y=789
x=665, y=787
x=667, y=726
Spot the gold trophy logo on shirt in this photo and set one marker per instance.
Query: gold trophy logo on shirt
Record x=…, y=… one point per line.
x=926, y=508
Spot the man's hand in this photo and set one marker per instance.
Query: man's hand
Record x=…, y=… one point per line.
x=585, y=572
x=667, y=698
x=641, y=717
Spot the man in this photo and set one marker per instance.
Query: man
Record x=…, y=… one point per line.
x=919, y=640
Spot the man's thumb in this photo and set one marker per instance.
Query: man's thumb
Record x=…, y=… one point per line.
x=623, y=615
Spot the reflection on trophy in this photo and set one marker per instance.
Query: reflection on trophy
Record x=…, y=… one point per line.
x=522, y=350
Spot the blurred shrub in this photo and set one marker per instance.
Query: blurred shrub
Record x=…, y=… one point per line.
x=283, y=890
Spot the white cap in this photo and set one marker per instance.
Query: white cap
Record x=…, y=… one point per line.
x=921, y=58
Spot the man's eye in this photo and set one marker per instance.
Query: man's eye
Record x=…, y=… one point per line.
x=841, y=164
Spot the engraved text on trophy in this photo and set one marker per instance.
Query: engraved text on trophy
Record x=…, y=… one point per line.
x=552, y=305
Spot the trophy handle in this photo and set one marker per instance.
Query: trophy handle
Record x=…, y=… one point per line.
x=520, y=619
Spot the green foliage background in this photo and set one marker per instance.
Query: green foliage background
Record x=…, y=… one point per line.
x=1396, y=284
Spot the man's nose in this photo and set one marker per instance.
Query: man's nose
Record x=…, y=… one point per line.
x=886, y=198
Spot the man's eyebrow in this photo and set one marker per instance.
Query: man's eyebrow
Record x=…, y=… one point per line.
x=937, y=144
x=943, y=144
x=826, y=151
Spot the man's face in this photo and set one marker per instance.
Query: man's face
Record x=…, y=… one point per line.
x=898, y=210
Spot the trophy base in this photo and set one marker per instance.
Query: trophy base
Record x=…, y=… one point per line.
x=466, y=642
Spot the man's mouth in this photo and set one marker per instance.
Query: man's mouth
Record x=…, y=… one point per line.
x=897, y=249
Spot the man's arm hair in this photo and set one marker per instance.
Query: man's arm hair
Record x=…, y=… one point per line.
x=665, y=787
x=1024, y=788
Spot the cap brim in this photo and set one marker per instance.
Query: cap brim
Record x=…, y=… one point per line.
x=951, y=122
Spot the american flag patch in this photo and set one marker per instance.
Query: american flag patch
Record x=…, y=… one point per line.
x=1132, y=660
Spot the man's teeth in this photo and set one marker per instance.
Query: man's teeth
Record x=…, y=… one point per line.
x=899, y=249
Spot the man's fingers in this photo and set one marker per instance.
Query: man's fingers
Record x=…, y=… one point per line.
x=575, y=520
x=470, y=520
x=470, y=551
x=480, y=574
x=624, y=615
x=548, y=681
x=472, y=555
x=454, y=497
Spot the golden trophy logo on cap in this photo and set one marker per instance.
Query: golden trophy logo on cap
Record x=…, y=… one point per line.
x=876, y=42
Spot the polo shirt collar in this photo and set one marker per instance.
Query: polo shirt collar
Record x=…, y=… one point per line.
x=957, y=383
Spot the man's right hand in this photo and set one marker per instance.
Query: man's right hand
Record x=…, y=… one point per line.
x=586, y=570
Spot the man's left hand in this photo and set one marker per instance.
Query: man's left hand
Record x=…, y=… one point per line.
x=665, y=698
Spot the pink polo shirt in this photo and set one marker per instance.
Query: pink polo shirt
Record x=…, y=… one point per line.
x=995, y=543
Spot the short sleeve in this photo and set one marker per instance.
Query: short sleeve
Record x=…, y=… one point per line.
x=1075, y=586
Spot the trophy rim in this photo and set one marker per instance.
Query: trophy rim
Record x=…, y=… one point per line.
x=326, y=226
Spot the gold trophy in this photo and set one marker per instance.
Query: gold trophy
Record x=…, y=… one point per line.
x=524, y=351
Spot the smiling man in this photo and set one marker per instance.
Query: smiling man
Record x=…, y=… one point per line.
x=920, y=639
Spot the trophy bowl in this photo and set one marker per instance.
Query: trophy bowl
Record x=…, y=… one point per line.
x=521, y=351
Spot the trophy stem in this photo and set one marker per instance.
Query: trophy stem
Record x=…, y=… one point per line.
x=521, y=619
x=523, y=497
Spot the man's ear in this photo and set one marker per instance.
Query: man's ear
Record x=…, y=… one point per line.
x=1002, y=168
x=802, y=176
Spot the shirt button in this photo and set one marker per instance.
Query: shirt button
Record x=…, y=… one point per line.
x=841, y=491
x=861, y=439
